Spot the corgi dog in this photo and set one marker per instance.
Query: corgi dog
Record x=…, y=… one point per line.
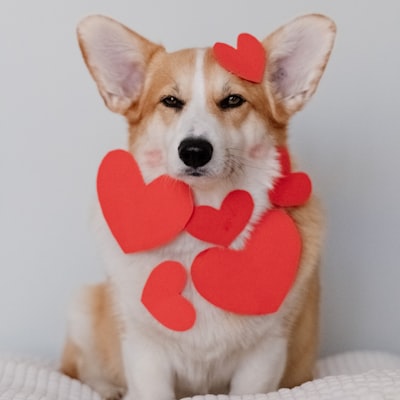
x=193, y=120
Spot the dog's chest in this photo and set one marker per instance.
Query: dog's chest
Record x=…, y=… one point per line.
x=214, y=327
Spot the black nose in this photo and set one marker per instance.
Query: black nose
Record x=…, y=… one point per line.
x=195, y=152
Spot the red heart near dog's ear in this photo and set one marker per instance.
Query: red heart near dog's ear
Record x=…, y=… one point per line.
x=298, y=53
x=116, y=58
x=247, y=61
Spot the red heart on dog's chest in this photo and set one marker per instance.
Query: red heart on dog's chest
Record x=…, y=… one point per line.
x=247, y=61
x=141, y=216
x=162, y=296
x=224, y=225
x=254, y=280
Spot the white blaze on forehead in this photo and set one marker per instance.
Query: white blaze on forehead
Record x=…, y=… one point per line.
x=200, y=121
x=195, y=120
x=196, y=113
x=199, y=84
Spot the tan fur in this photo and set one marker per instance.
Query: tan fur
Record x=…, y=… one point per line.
x=161, y=80
x=69, y=359
x=106, y=343
x=304, y=325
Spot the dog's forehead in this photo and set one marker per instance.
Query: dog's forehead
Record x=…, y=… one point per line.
x=181, y=69
x=178, y=64
x=195, y=77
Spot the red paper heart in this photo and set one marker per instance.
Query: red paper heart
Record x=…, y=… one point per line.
x=254, y=280
x=291, y=190
x=162, y=297
x=222, y=226
x=247, y=61
x=141, y=216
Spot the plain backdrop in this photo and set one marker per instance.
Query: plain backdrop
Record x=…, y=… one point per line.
x=54, y=130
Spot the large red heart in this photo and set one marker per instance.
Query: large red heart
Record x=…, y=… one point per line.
x=254, y=280
x=141, y=216
x=224, y=225
x=162, y=297
x=247, y=61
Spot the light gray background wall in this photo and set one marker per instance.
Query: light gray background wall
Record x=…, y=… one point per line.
x=54, y=131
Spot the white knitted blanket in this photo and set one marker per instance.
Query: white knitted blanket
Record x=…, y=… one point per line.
x=348, y=376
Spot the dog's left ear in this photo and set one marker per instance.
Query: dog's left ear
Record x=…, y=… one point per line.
x=297, y=55
x=117, y=59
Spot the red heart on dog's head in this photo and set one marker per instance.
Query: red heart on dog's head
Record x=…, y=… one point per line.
x=141, y=216
x=247, y=61
x=254, y=280
x=162, y=297
x=224, y=225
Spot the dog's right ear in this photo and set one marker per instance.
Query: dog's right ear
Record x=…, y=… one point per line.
x=116, y=58
x=297, y=55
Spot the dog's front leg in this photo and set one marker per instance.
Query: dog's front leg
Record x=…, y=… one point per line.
x=148, y=374
x=260, y=370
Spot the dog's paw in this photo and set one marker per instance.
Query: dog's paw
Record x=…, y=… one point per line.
x=108, y=391
x=116, y=394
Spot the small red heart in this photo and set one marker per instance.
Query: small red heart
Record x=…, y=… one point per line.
x=222, y=226
x=141, y=216
x=293, y=188
x=163, y=299
x=247, y=61
x=254, y=280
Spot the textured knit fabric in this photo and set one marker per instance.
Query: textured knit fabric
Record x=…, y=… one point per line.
x=348, y=376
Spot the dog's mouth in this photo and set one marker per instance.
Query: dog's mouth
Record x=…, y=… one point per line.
x=207, y=176
x=197, y=177
x=196, y=172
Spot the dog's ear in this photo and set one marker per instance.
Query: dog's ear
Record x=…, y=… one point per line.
x=116, y=58
x=297, y=55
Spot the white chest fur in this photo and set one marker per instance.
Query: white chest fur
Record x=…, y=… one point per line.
x=205, y=357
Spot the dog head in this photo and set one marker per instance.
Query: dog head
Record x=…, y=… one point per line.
x=192, y=119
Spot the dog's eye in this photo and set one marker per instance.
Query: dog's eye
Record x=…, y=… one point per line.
x=231, y=101
x=172, y=102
